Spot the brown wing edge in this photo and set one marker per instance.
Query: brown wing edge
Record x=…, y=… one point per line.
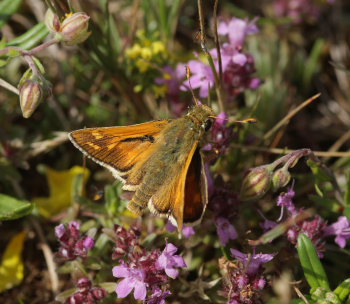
x=117, y=174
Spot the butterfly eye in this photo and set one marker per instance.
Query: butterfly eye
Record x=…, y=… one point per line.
x=207, y=125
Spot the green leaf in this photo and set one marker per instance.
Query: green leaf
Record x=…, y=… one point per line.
x=313, y=269
x=12, y=208
x=30, y=38
x=7, y=9
x=347, y=191
x=343, y=290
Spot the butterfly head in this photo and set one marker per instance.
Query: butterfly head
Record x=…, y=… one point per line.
x=202, y=115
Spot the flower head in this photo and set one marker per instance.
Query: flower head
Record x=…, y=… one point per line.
x=240, y=287
x=341, y=229
x=125, y=241
x=86, y=294
x=169, y=261
x=225, y=230
x=313, y=228
x=237, y=30
x=72, y=243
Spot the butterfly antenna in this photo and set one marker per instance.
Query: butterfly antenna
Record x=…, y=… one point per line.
x=248, y=120
x=188, y=75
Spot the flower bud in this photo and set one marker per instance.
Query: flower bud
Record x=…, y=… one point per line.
x=256, y=183
x=280, y=178
x=52, y=21
x=74, y=29
x=30, y=96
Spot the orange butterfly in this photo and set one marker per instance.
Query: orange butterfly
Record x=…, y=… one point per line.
x=160, y=161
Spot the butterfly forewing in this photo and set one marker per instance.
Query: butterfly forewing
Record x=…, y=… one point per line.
x=119, y=148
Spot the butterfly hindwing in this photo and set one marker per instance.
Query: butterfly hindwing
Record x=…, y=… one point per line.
x=183, y=199
x=196, y=193
x=120, y=149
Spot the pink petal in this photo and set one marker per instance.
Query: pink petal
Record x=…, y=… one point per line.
x=179, y=261
x=120, y=271
x=239, y=59
x=124, y=287
x=340, y=241
x=170, y=248
x=162, y=261
x=222, y=28
x=172, y=272
x=140, y=291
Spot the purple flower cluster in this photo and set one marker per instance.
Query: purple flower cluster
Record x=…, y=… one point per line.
x=243, y=278
x=223, y=203
x=86, y=294
x=72, y=243
x=237, y=66
x=144, y=272
x=313, y=228
x=298, y=10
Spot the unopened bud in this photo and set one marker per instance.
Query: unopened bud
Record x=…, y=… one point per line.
x=30, y=96
x=74, y=29
x=52, y=21
x=256, y=183
x=32, y=91
x=280, y=178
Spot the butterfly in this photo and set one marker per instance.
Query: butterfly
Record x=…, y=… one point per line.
x=159, y=161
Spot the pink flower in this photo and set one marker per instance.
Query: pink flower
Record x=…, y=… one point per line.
x=237, y=30
x=169, y=261
x=225, y=230
x=254, y=261
x=72, y=243
x=341, y=229
x=202, y=78
x=286, y=200
x=134, y=279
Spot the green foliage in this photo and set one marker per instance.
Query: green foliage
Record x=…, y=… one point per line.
x=12, y=208
x=312, y=267
x=7, y=9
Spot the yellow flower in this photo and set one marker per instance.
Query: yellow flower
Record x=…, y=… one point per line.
x=146, y=53
x=160, y=91
x=134, y=51
x=12, y=268
x=61, y=185
x=142, y=65
x=158, y=47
